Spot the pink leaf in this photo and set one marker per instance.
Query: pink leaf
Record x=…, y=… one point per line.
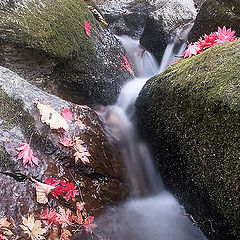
x=67, y=115
x=192, y=49
x=127, y=66
x=225, y=35
x=88, y=225
x=66, y=142
x=26, y=154
x=87, y=28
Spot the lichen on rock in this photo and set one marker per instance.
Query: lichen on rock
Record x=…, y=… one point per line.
x=190, y=114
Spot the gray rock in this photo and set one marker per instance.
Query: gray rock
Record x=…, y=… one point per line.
x=101, y=180
x=214, y=14
x=161, y=23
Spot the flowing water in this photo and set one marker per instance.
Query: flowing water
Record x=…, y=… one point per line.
x=152, y=213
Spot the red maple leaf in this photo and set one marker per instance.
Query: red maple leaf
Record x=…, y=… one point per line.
x=225, y=35
x=58, y=191
x=49, y=216
x=66, y=142
x=127, y=66
x=87, y=28
x=26, y=154
x=192, y=49
x=88, y=225
x=70, y=189
x=67, y=115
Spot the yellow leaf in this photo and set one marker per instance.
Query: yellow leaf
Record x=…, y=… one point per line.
x=52, y=117
x=33, y=228
x=42, y=191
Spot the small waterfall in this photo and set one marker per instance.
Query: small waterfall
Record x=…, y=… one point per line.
x=176, y=46
x=152, y=213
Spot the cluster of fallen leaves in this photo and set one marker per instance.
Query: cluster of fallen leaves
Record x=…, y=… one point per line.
x=221, y=36
x=64, y=188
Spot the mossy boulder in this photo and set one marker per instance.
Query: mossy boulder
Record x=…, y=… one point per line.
x=190, y=114
x=214, y=14
x=102, y=180
x=45, y=41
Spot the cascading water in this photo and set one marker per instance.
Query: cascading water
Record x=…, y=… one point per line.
x=152, y=213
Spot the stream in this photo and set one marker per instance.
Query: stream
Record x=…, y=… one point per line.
x=151, y=213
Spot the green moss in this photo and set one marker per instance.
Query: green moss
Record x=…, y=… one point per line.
x=12, y=114
x=192, y=116
x=57, y=27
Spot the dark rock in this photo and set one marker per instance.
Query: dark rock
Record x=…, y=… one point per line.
x=46, y=43
x=214, y=14
x=126, y=17
x=101, y=181
x=190, y=115
x=161, y=23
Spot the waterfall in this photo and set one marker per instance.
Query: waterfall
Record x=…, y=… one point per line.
x=151, y=213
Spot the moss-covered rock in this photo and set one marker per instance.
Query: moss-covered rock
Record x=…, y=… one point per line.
x=214, y=14
x=191, y=116
x=51, y=34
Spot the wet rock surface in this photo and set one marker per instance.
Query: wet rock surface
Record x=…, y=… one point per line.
x=161, y=23
x=214, y=14
x=190, y=115
x=46, y=43
x=126, y=17
x=102, y=181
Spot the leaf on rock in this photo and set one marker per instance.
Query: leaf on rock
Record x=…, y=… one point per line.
x=64, y=217
x=52, y=117
x=65, y=234
x=26, y=154
x=49, y=216
x=66, y=142
x=88, y=225
x=33, y=228
x=87, y=28
x=67, y=115
x=42, y=191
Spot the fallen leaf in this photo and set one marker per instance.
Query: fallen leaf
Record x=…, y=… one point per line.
x=66, y=142
x=33, y=228
x=127, y=66
x=26, y=154
x=42, y=191
x=87, y=28
x=64, y=217
x=88, y=225
x=67, y=115
x=65, y=234
x=52, y=117
x=49, y=216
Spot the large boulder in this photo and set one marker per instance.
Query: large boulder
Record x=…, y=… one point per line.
x=190, y=114
x=45, y=42
x=164, y=21
x=126, y=17
x=214, y=14
x=101, y=180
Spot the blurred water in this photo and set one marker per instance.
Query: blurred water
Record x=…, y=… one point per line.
x=151, y=213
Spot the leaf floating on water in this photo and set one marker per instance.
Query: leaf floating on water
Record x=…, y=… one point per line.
x=52, y=117
x=42, y=191
x=26, y=154
x=33, y=228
